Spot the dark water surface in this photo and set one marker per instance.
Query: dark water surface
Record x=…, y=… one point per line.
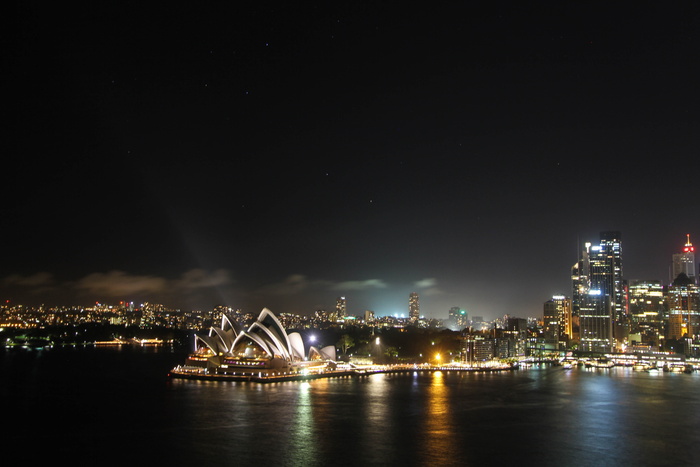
x=112, y=406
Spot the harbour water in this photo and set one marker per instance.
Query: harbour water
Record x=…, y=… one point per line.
x=117, y=406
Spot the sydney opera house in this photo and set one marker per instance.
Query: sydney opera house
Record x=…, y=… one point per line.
x=263, y=350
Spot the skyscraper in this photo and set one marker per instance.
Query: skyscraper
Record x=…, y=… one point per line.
x=341, y=308
x=551, y=325
x=683, y=304
x=606, y=274
x=647, y=310
x=557, y=320
x=684, y=262
x=599, y=293
x=413, y=306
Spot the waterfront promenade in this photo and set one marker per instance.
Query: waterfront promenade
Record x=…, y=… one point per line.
x=348, y=370
x=345, y=371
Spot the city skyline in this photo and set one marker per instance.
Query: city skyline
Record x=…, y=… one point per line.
x=282, y=155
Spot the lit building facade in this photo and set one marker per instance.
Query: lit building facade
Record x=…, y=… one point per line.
x=606, y=274
x=557, y=321
x=599, y=294
x=457, y=318
x=341, y=308
x=413, y=306
x=684, y=262
x=647, y=309
x=683, y=301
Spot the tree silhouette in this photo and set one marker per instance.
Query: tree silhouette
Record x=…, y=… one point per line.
x=345, y=343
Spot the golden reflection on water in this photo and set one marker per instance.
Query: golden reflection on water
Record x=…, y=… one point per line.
x=440, y=441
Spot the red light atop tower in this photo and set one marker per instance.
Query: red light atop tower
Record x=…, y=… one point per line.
x=688, y=246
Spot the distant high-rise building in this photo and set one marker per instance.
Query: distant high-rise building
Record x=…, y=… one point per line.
x=599, y=293
x=341, y=308
x=457, y=318
x=684, y=262
x=413, y=307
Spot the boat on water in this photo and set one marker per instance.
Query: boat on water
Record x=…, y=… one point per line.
x=601, y=363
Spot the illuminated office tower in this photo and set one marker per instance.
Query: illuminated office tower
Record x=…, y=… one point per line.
x=683, y=301
x=557, y=321
x=551, y=325
x=606, y=274
x=581, y=284
x=647, y=310
x=413, y=307
x=685, y=262
x=580, y=278
x=599, y=293
x=595, y=323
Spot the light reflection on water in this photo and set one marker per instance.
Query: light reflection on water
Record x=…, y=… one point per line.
x=559, y=418
x=546, y=415
x=302, y=429
x=439, y=443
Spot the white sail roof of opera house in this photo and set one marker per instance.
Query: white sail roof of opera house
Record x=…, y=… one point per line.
x=267, y=334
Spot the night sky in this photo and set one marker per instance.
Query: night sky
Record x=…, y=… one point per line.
x=263, y=154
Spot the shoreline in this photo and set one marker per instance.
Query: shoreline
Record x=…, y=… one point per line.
x=178, y=374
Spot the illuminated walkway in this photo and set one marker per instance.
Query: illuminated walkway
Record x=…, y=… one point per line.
x=261, y=377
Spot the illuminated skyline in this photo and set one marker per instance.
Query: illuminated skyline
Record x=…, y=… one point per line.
x=283, y=155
